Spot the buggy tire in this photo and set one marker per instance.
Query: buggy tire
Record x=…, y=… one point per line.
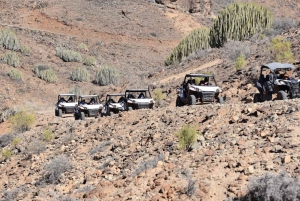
x=56, y=113
x=256, y=98
x=192, y=100
x=281, y=95
x=82, y=116
x=76, y=116
x=220, y=100
x=130, y=109
x=59, y=112
x=179, y=102
x=111, y=113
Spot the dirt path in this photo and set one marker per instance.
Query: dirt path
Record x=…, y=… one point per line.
x=181, y=75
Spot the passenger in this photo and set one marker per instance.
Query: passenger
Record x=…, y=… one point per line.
x=141, y=95
x=82, y=102
x=286, y=76
x=92, y=101
x=204, y=82
x=70, y=99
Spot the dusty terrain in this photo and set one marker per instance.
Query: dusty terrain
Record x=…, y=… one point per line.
x=135, y=155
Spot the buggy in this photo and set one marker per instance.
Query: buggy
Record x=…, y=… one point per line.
x=65, y=104
x=198, y=88
x=138, y=99
x=277, y=78
x=114, y=103
x=88, y=106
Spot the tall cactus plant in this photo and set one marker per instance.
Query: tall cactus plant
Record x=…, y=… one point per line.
x=239, y=21
x=197, y=39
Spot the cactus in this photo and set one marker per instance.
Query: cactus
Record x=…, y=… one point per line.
x=25, y=50
x=90, y=61
x=80, y=74
x=106, y=75
x=39, y=68
x=9, y=40
x=15, y=74
x=239, y=21
x=11, y=58
x=197, y=39
x=68, y=55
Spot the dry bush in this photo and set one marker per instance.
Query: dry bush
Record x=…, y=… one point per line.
x=39, y=68
x=100, y=147
x=233, y=49
x=15, y=74
x=48, y=75
x=90, y=61
x=76, y=90
x=5, y=140
x=11, y=58
x=35, y=147
x=22, y=121
x=5, y=113
x=187, y=136
x=149, y=164
x=80, y=74
x=9, y=40
x=190, y=189
x=25, y=50
x=68, y=55
x=40, y=4
x=55, y=168
x=106, y=75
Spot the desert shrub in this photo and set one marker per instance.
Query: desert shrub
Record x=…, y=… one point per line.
x=39, y=68
x=15, y=74
x=106, y=75
x=35, y=147
x=6, y=153
x=68, y=55
x=55, y=168
x=11, y=58
x=76, y=90
x=273, y=187
x=159, y=95
x=80, y=74
x=100, y=147
x=16, y=141
x=40, y=4
x=233, y=49
x=48, y=75
x=190, y=189
x=187, y=136
x=5, y=140
x=11, y=195
x=239, y=21
x=240, y=62
x=83, y=46
x=146, y=165
x=281, y=50
x=90, y=61
x=5, y=113
x=47, y=135
x=197, y=39
x=25, y=50
x=22, y=121
x=9, y=40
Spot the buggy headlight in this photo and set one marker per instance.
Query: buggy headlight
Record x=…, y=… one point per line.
x=85, y=108
x=133, y=101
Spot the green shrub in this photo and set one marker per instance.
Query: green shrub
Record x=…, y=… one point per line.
x=106, y=75
x=90, y=61
x=48, y=75
x=48, y=135
x=159, y=95
x=281, y=50
x=83, y=46
x=6, y=153
x=80, y=74
x=75, y=90
x=9, y=40
x=15, y=74
x=25, y=50
x=22, y=121
x=40, y=67
x=240, y=62
x=11, y=58
x=16, y=141
x=68, y=55
x=187, y=136
x=197, y=39
x=239, y=21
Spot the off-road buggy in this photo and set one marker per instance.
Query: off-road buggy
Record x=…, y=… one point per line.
x=114, y=103
x=88, y=106
x=65, y=104
x=277, y=78
x=198, y=88
x=138, y=99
